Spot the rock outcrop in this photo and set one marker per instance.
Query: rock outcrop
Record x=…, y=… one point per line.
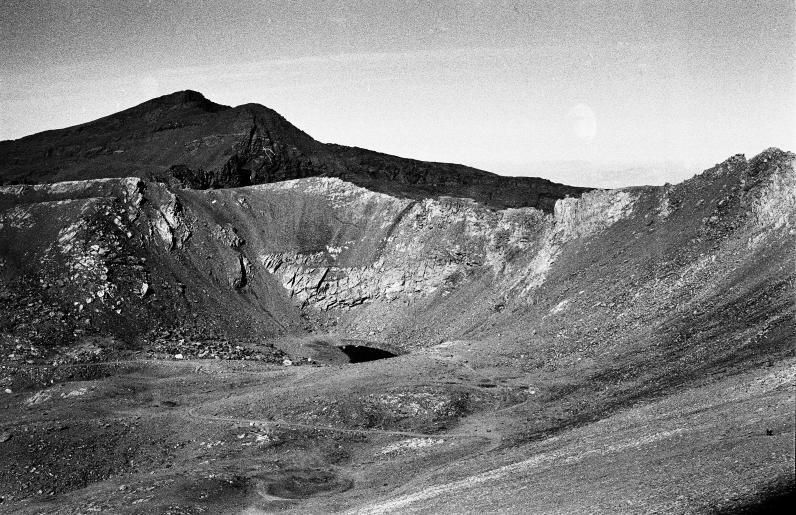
x=324, y=254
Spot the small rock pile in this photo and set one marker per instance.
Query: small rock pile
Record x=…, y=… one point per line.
x=185, y=347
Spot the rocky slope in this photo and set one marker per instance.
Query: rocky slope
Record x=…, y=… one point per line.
x=186, y=140
x=322, y=254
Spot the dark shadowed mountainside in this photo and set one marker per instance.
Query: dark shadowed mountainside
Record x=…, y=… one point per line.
x=186, y=140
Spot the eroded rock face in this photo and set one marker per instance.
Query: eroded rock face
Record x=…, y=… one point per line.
x=115, y=257
x=328, y=245
x=324, y=253
x=427, y=245
x=313, y=284
x=432, y=243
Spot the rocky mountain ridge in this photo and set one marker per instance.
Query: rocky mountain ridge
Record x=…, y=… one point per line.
x=340, y=257
x=185, y=140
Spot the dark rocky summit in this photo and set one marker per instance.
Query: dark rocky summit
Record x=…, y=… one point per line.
x=186, y=140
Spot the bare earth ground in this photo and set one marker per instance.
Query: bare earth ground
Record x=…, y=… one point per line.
x=210, y=436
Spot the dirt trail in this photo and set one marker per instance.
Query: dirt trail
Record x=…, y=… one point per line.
x=192, y=413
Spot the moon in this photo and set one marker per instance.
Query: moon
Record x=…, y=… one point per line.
x=582, y=123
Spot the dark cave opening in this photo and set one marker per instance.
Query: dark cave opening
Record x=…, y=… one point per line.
x=361, y=353
x=776, y=500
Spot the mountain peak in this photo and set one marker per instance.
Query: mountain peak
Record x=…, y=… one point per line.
x=186, y=140
x=182, y=97
x=185, y=98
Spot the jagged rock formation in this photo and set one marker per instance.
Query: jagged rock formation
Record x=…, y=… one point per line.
x=370, y=265
x=185, y=140
x=108, y=257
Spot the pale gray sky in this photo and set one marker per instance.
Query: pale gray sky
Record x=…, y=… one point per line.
x=502, y=85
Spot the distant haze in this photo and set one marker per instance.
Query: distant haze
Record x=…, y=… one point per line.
x=586, y=92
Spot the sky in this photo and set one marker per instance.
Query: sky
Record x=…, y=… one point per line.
x=585, y=91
